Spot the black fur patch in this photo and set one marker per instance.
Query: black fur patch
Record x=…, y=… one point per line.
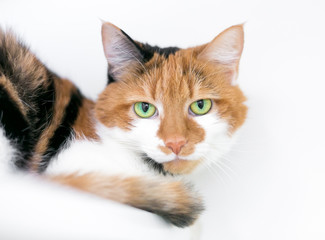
x=146, y=55
x=110, y=78
x=157, y=167
x=182, y=219
x=162, y=51
x=64, y=132
x=147, y=51
x=45, y=101
x=183, y=216
x=16, y=128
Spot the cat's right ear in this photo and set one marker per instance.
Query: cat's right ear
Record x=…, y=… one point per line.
x=121, y=52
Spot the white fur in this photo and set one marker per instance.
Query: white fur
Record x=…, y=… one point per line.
x=7, y=153
x=144, y=134
x=109, y=156
x=217, y=141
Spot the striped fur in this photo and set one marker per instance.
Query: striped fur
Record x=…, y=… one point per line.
x=39, y=110
x=178, y=204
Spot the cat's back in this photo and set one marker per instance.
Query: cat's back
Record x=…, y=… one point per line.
x=38, y=109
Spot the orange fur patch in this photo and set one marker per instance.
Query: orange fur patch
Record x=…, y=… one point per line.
x=181, y=166
x=112, y=109
x=63, y=90
x=178, y=204
x=84, y=125
x=8, y=86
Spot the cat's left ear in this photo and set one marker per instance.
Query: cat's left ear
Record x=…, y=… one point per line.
x=121, y=52
x=226, y=49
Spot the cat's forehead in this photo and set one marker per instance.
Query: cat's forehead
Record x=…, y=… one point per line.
x=178, y=76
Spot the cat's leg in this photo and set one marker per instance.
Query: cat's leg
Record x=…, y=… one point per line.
x=173, y=200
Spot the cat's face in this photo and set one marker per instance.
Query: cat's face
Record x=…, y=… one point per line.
x=178, y=107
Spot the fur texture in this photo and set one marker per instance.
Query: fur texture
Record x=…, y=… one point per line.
x=171, y=82
x=105, y=148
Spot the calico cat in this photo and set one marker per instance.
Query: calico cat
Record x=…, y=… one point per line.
x=164, y=113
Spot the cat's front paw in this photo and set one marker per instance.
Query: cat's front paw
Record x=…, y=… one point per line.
x=176, y=202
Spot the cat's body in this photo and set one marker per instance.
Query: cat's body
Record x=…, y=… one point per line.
x=113, y=148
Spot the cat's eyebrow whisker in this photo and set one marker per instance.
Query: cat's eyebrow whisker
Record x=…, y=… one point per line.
x=201, y=68
x=137, y=76
x=207, y=76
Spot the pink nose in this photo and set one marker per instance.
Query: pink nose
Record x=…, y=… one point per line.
x=175, y=144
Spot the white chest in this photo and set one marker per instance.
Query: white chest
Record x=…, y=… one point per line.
x=105, y=157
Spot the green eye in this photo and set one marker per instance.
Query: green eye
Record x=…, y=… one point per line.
x=201, y=107
x=144, y=110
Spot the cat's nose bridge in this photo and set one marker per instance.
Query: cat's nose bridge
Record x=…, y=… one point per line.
x=173, y=131
x=174, y=123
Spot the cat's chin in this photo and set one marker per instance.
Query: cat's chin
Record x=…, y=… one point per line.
x=180, y=166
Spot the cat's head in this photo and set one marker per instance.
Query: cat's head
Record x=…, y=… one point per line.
x=179, y=108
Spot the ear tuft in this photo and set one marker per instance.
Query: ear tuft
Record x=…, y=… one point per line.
x=120, y=50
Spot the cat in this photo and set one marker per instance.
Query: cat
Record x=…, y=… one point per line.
x=164, y=114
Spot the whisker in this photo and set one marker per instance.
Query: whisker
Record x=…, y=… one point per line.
x=235, y=174
x=214, y=172
x=217, y=164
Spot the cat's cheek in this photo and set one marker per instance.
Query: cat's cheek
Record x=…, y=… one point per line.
x=217, y=140
x=144, y=134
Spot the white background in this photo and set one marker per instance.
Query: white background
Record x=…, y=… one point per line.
x=272, y=185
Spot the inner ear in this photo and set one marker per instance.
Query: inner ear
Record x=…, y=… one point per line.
x=121, y=52
x=225, y=49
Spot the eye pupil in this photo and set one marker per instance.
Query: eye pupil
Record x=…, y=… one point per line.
x=144, y=109
x=200, y=107
x=145, y=106
x=200, y=104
